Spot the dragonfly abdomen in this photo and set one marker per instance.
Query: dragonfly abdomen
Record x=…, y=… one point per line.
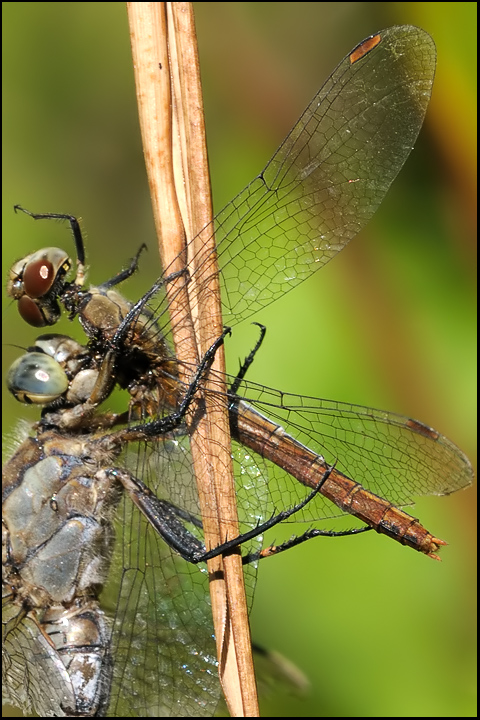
x=271, y=441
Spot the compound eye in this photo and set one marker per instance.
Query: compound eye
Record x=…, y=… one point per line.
x=38, y=274
x=36, y=314
x=38, y=277
x=36, y=378
x=30, y=312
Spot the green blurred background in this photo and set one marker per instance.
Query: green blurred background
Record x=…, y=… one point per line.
x=378, y=630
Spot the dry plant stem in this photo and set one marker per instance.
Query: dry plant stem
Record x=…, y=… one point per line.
x=165, y=58
x=237, y=667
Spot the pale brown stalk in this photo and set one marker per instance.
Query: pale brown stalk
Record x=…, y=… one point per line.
x=171, y=118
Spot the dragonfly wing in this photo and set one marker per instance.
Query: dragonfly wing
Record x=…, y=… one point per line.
x=30, y=665
x=163, y=650
x=329, y=175
x=163, y=647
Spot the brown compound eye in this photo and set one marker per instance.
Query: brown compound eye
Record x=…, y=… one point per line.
x=38, y=277
x=37, y=282
x=38, y=315
x=30, y=312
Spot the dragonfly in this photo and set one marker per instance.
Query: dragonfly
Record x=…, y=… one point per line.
x=316, y=193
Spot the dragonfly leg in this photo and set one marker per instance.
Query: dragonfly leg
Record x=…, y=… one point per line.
x=74, y=224
x=166, y=424
x=79, y=245
x=298, y=539
x=183, y=514
x=165, y=518
x=263, y=527
x=126, y=273
x=133, y=314
x=168, y=520
x=248, y=361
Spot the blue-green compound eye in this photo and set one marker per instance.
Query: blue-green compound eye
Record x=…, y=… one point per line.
x=36, y=378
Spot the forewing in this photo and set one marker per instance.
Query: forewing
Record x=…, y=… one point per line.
x=329, y=175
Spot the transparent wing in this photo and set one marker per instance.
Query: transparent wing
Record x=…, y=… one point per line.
x=164, y=656
x=329, y=175
x=163, y=647
x=163, y=638
x=30, y=666
x=391, y=455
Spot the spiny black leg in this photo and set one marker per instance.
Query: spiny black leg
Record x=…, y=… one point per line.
x=167, y=519
x=124, y=274
x=184, y=514
x=260, y=529
x=171, y=422
x=205, y=365
x=77, y=234
x=136, y=309
x=203, y=368
x=248, y=361
x=297, y=540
